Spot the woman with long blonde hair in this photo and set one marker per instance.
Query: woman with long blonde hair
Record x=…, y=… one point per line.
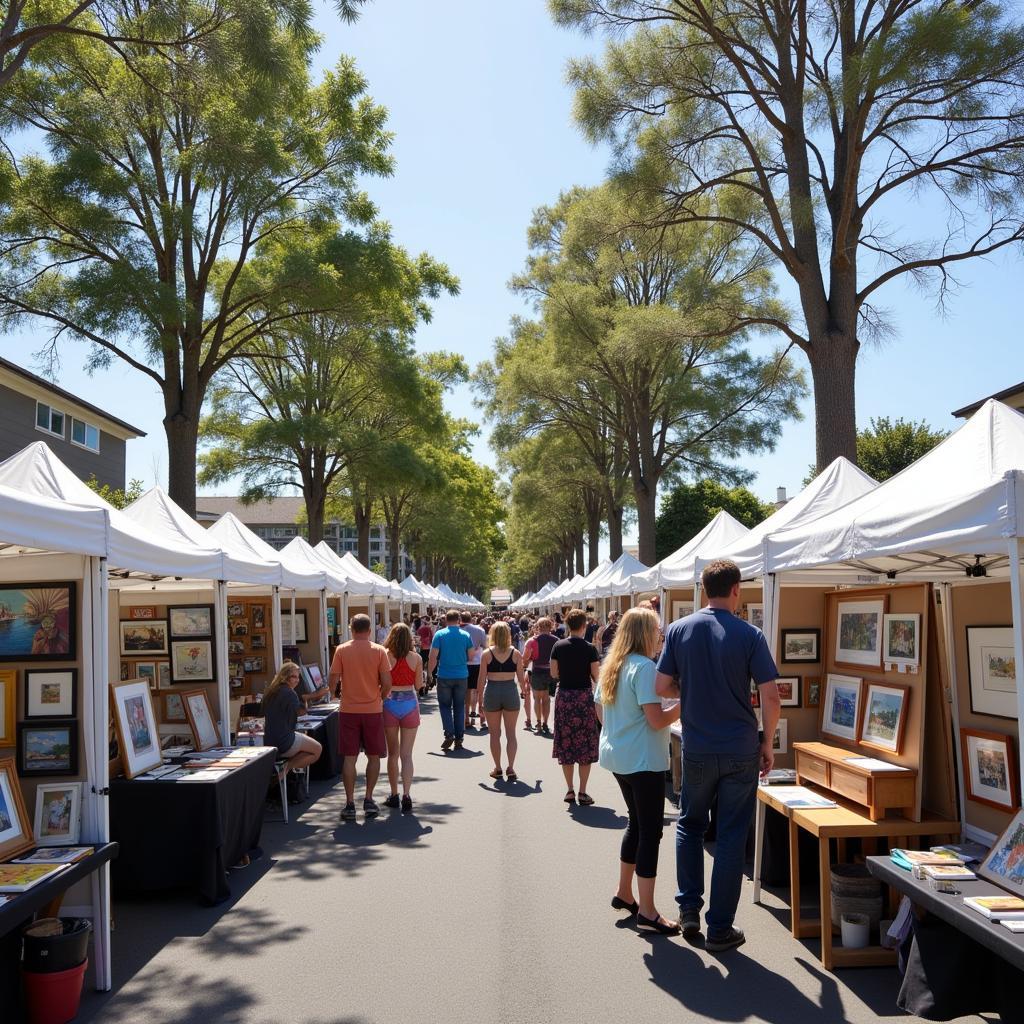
x=402, y=711
x=281, y=711
x=634, y=747
x=502, y=684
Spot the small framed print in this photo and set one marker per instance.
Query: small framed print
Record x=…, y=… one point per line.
x=15, y=824
x=163, y=675
x=680, y=609
x=51, y=694
x=48, y=748
x=192, y=661
x=200, y=719
x=801, y=646
x=885, y=716
x=990, y=769
x=258, y=616
x=258, y=641
x=812, y=693
x=755, y=615
x=140, y=638
x=146, y=670
x=235, y=609
x=239, y=627
x=992, y=667
x=236, y=648
x=58, y=819
x=859, y=631
x=172, y=708
x=8, y=705
x=902, y=639
x=780, y=741
x=141, y=612
x=138, y=739
x=841, y=714
x=191, y=620
x=293, y=633
x=789, y=691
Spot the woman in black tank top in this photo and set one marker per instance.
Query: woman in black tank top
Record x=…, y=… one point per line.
x=501, y=684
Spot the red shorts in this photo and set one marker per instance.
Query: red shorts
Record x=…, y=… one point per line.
x=365, y=731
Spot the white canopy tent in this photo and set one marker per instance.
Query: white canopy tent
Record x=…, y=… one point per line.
x=614, y=581
x=555, y=597
x=576, y=593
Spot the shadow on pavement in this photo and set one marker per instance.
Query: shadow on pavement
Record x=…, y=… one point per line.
x=516, y=789
x=597, y=817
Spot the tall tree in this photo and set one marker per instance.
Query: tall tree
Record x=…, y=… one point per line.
x=137, y=236
x=831, y=116
x=887, y=446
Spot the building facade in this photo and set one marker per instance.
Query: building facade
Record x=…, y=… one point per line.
x=89, y=441
x=277, y=522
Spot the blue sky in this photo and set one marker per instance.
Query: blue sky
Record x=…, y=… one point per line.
x=484, y=134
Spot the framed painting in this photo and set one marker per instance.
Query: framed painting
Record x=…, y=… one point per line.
x=841, y=713
x=258, y=641
x=236, y=648
x=52, y=693
x=58, y=818
x=990, y=769
x=801, y=645
x=15, y=825
x=992, y=667
x=200, y=719
x=235, y=609
x=1004, y=865
x=140, y=638
x=332, y=620
x=789, y=691
x=680, y=609
x=192, y=661
x=138, y=738
x=884, y=719
x=780, y=741
x=38, y=622
x=146, y=670
x=8, y=705
x=755, y=615
x=902, y=634
x=293, y=632
x=859, y=631
x=258, y=616
x=239, y=627
x=48, y=748
x=172, y=708
x=163, y=675
x=191, y=620
x=812, y=697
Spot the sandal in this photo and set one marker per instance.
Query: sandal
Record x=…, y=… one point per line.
x=497, y=773
x=586, y=800
x=511, y=775
x=570, y=796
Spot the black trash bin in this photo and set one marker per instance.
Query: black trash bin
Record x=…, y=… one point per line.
x=55, y=944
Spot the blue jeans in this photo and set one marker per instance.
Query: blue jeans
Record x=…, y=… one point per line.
x=451, y=699
x=734, y=781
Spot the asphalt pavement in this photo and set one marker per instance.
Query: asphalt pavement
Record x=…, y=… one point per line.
x=489, y=903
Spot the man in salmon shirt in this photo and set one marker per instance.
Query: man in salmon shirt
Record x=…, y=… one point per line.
x=362, y=673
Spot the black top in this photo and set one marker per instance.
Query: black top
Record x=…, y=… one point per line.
x=590, y=633
x=574, y=657
x=509, y=665
x=282, y=711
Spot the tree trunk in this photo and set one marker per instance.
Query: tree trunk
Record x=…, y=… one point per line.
x=315, y=498
x=833, y=361
x=182, y=433
x=593, y=505
x=579, y=554
x=361, y=513
x=646, y=509
x=615, y=514
x=393, y=543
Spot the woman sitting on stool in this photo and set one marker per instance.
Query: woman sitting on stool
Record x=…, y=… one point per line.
x=281, y=711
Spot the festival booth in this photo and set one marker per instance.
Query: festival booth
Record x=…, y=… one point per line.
x=611, y=586
x=364, y=587
x=575, y=595
x=555, y=600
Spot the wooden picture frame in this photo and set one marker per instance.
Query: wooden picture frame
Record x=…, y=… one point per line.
x=192, y=661
x=141, y=639
x=38, y=621
x=138, y=735
x=236, y=609
x=901, y=643
x=200, y=719
x=801, y=646
x=51, y=693
x=190, y=621
x=15, y=825
x=878, y=728
x=789, y=691
x=58, y=817
x=258, y=616
x=48, y=747
x=990, y=769
x=141, y=612
x=839, y=719
x=1004, y=865
x=812, y=693
x=163, y=675
x=755, y=615
x=238, y=628
x=8, y=706
x=859, y=631
x=172, y=707
x=991, y=668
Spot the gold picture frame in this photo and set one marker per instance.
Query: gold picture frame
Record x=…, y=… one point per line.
x=16, y=834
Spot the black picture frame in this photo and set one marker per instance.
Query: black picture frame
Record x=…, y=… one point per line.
x=73, y=713
x=38, y=770
x=11, y=616
x=208, y=608
x=816, y=659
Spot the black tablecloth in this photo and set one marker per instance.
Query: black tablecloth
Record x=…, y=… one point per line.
x=326, y=734
x=951, y=970
x=187, y=833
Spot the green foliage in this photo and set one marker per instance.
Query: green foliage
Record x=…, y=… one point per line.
x=688, y=508
x=380, y=569
x=117, y=496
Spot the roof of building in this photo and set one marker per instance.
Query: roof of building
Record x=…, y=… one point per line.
x=75, y=400
x=274, y=512
x=1006, y=395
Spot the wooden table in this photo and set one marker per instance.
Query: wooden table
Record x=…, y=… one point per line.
x=842, y=822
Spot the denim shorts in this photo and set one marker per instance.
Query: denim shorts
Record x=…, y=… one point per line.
x=501, y=695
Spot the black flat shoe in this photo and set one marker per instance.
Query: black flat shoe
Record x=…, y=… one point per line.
x=621, y=904
x=645, y=924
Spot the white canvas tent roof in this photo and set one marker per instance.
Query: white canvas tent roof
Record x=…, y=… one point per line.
x=615, y=579
x=679, y=568
x=577, y=592
x=961, y=499
x=356, y=583
x=299, y=556
x=233, y=535
x=835, y=486
x=563, y=588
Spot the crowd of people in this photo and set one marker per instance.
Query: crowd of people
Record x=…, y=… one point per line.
x=604, y=693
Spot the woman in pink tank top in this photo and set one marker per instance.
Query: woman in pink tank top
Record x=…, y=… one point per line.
x=402, y=711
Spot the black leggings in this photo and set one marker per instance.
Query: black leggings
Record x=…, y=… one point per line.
x=644, y=793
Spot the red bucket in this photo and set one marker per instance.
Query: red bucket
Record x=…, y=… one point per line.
x=53, y=998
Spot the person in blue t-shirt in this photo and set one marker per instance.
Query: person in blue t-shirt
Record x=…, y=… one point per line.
x=708, y=661
x=449, y=654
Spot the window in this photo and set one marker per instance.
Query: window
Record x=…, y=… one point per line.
x=85, y=434
x=49, y=420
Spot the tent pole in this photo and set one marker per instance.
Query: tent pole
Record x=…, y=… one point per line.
x=223, y=685
x=323, y=629
x=1018, y=635
x=946, y=595
x=275, y=616
x=770, y=596
x=100, y=656
x=663, y=603
x=345, y=633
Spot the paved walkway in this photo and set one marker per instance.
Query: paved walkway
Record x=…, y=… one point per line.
x=488, y=904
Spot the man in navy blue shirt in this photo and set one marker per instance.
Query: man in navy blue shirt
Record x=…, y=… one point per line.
x=449, y=654
x=708, y=661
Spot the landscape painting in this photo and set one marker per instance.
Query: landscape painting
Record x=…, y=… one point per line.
x=37, y=622
x=800, y=645
x=144, y=637
x=842, y=704
x=992, y=667
x=885, y=709
x=50, y=749
x=1005, y=863
x=903, y=640
x=859, y=632
x=990, y=775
